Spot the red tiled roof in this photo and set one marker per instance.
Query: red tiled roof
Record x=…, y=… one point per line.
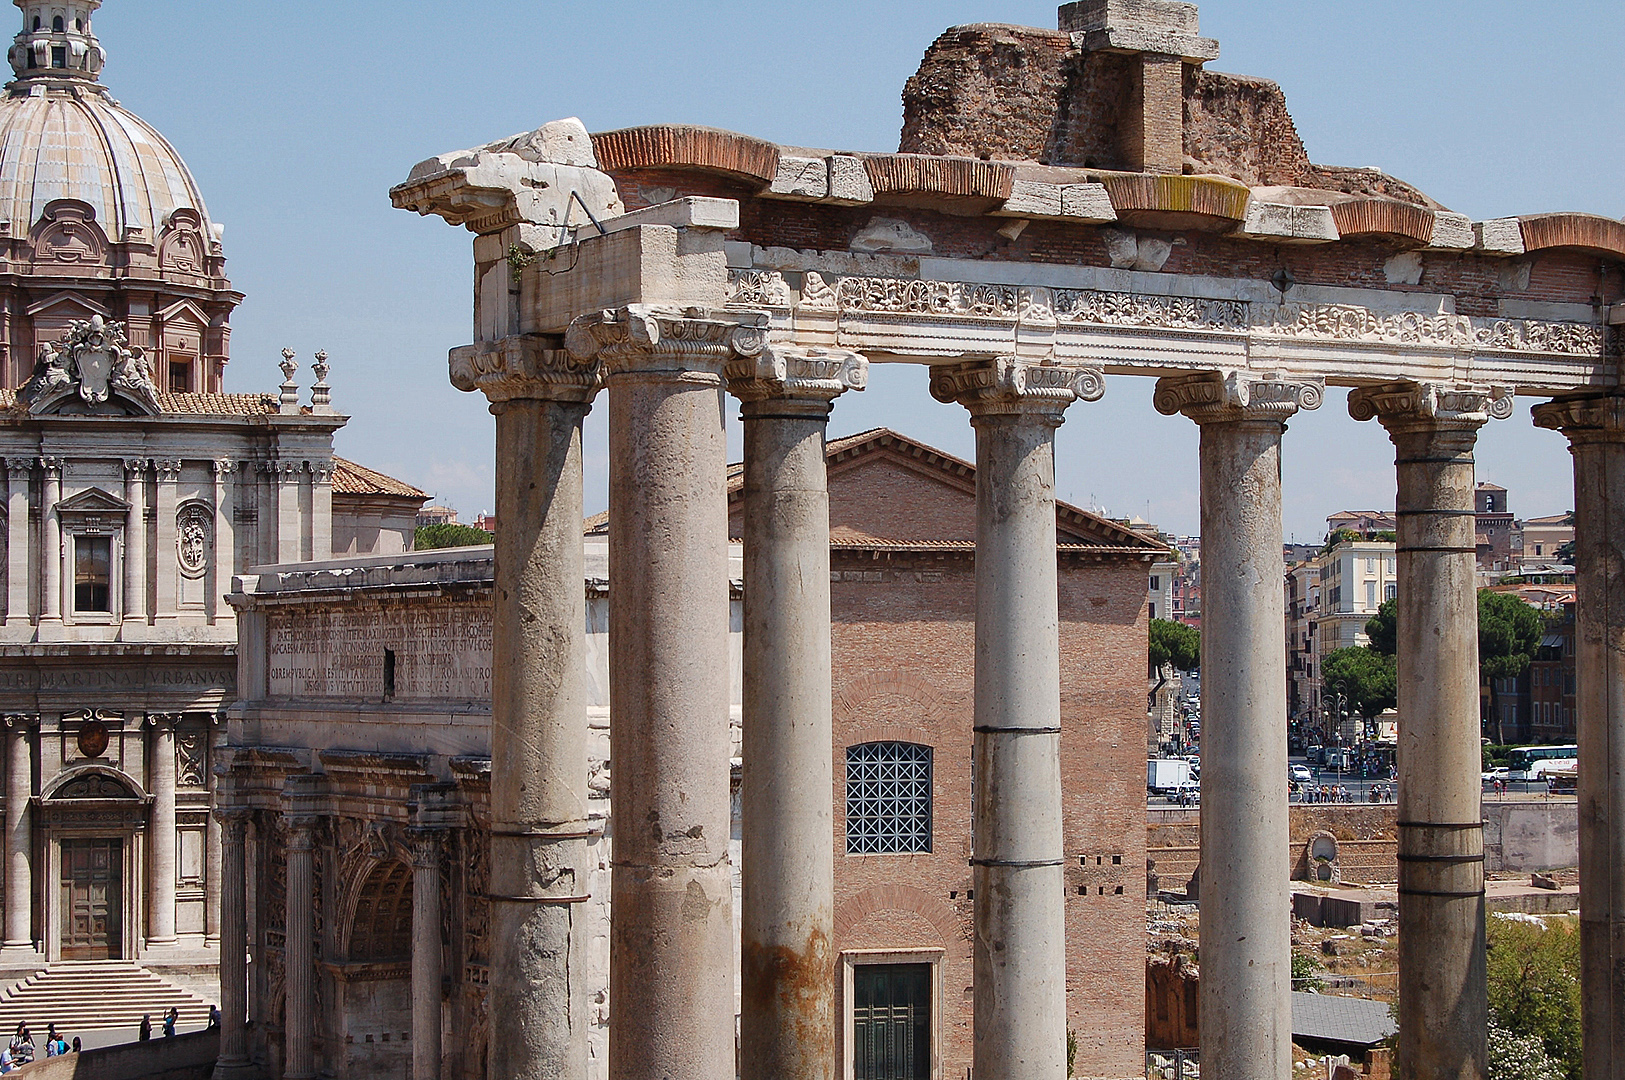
x=352, y=479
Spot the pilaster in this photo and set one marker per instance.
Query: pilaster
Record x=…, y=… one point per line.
x=135, y=541
x=167, y=603
x=289, y=477
x=51, y=553
x=20, y=564
x=225, y=537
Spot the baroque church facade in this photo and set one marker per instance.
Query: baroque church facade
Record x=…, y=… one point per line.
x=135, y=488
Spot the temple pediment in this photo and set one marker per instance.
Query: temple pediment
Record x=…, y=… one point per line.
x=92, y=501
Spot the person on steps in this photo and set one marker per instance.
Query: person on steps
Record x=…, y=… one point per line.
x=145, y=1033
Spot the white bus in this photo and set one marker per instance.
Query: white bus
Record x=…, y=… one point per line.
x=1534, y=762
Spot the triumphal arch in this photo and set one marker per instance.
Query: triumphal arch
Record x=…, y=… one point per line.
x=1066, y=204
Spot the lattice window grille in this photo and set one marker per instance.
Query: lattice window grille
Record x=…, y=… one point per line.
x=888, y=798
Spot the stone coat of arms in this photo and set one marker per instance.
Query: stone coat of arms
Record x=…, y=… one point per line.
x=95, y=361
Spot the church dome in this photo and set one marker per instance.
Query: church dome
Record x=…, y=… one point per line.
x=63, y=136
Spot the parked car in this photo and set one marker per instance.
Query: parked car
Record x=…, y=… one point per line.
x=1301, y=774
x=1492, y=775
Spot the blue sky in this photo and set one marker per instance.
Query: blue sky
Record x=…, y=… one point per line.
x=297, y=116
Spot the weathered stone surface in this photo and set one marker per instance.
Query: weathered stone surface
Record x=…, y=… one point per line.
x=1287, y=224
x=849, y=180
x=1499, y=236
x=1452, y=232
x=800, y=178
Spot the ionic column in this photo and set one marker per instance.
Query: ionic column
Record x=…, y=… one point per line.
x=426, y=955
x=233, y=942
x=539, y=861
x=1443, y=1012
x=1245, y=1005
x=167, y=601
x=299, y=957
x=1595, y=427
x=1017, y=851
x=225, y=537
x=51, y=541
x=19, y=931
x=19, y=557
x=135, y=541
x=787, y=915
x=161, y=831
x=671, y=935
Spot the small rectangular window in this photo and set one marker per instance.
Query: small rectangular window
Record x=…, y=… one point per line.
x=1156, y=583
x=180, y=376
x=92, y=573
x=59, y=56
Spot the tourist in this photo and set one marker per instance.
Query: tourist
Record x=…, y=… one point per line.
x=22, y=1045
x=146, y=1028
x=76, y=1044
x=171, y=1018
x=214, y=1016
x=51, y=1039
x=6, y=1064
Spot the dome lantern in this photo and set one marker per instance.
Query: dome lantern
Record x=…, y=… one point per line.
x=56, y=42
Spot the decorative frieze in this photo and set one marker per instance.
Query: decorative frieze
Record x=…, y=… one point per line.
x=649, y=338
x=524, y=366
x=1009, y=385
x=786, y=372
x=1404, y=403
x=1231, y=396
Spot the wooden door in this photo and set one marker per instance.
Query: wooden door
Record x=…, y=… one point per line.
x=92, y=899
x=891, y=1021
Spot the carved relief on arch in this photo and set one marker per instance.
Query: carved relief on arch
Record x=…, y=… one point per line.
x=68, y=234
x=181, y=247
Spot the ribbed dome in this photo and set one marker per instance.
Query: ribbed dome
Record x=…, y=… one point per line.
x=62, y=136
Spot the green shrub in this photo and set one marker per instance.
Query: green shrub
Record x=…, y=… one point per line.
x=1534, y=987
x=448, y=535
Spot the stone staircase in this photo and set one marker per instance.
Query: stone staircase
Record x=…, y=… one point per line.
x=85, y=995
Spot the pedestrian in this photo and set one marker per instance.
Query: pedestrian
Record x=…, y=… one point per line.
x=50, y=1040
x=76, y=1044
x=22, y=1045
x=171, y=1018
x=214, y=1016
x=6, y=1064
x=145, y=1033
x=61, y=1045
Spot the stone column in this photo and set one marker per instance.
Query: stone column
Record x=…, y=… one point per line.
x=1017, y=850
x=671, y=936
x=161, y=831
x=787, y=914
x=167, y=602
x=539, y=861
x=51, y=541
x=135, y=541
x=1595, y=427
x=225, y=539
x=299, y=964
x=1443, y=1013
x=1245, y=1005
x=427, y=961
x=20, y=728
x=233, y=1060
x=213, y=855
x=19, y=556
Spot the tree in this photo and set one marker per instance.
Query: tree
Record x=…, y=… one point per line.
x=1533, y=972
x=1170, y=642
x=1509, y=632
x=1364, y=677
x=448, y=535
x=1383, y=628
x=1339, y=536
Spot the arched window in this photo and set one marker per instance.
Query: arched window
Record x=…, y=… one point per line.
x=36, y=22
x=888, y=798
x=383, y=915
x=57, y=25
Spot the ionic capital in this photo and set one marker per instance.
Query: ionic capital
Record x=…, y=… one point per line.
x=782, y=372
x=1217, y=397
x=224, y=467
x=168, y=470
x=21, y=722
x=647, y=338
x=19, y=467
x=164, y=721
x=1599, y=418
x=525, y=366
x=1007, y=386
x=1411, y=406
x=52, y=467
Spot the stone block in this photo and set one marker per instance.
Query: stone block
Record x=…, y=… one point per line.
x=1032, y=198
x=1283, y=223
x=1499, y=236
x=1453, y=232
x=1087, y=202
x=645, y=264
x=1306, y=906
x=1168, y=16
x=689, y=212
x=849, y=181
x=799, y=178
x=1345, y=911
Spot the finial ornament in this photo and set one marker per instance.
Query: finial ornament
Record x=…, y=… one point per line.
x=288, y=401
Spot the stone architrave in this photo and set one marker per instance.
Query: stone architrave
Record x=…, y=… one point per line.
x=1443, y=1010
x=1017, y=851
x=1595, y=427
x=540, y=394
x=1245, y=1004
x=787, y=909
x=671, y=937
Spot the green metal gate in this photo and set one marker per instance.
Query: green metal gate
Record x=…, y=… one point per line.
x=891, y=1021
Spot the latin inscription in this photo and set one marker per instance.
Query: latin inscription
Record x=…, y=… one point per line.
x=445, y=653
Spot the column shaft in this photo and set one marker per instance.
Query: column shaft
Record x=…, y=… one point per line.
x=161, y=832
x=224, y=562
x=19, y=558
x=19, y=930
x=320, y=544
x=538, y=750
x=787, y=888
x=426, y=958
x=135, y=541
x=51, y=541
x=299, y=963
x=289, y=519
x=1595, y=427
x=167, y=599
x=233, y=940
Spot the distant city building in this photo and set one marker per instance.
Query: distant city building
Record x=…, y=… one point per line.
x=436, y=515
x=1493, y=532
x=1302, y=660
x=1365, y=522
x=1539, y=541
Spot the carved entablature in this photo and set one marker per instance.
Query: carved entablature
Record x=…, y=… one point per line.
x=782, y=372
x=525, y=366
x=1596, y=419
x=1409, y=404
x=90, y=365
x=643, y=337
x=1007, y=385
x=1230, y=396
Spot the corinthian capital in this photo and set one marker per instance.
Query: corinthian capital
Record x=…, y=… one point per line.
x=1007, y=386
x=1598, y=418
x=1230, y=396
x=644, y=337
x=524, y=366
x=1404, y=405
x=785, y=372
